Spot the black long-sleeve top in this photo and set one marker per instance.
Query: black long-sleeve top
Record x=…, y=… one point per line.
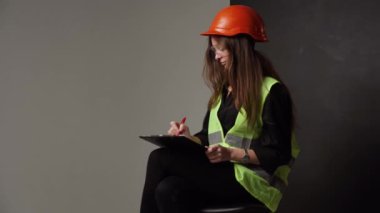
x=273, y=146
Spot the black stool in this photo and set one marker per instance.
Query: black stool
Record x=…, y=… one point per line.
x=236, y=208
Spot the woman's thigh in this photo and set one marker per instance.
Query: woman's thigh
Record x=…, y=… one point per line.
x=213, y=182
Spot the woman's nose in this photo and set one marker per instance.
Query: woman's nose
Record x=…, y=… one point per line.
x=217, y=56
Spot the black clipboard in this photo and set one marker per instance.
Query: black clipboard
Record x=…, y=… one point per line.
x=180, y=143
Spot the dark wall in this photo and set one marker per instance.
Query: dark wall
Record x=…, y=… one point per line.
x=327, y=51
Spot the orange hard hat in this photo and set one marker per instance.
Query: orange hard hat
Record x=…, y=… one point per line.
x=238, y=19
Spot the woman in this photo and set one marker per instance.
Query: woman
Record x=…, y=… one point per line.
x=247, y=129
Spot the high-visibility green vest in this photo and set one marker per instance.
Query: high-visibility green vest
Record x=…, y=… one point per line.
x=264, y=187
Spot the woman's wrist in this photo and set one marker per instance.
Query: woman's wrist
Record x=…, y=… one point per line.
x=236, y=154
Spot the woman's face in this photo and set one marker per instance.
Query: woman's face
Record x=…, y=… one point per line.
x=221, y=53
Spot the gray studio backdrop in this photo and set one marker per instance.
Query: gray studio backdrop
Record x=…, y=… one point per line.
x=79, y=81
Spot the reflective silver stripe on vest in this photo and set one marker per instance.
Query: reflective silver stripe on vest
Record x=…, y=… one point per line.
x=274, y=181
x=215, y=137
x=278, y=183
x=238, y=142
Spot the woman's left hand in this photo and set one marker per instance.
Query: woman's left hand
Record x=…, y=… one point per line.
x=217, y=153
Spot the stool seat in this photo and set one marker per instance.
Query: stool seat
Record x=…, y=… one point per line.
x=235, y=208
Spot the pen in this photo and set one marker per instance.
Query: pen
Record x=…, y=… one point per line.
x=182, y=122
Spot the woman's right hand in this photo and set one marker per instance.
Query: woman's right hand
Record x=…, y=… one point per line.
x=173, y=130
x=179, y=129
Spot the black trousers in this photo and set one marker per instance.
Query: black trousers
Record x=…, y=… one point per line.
x=178, y=182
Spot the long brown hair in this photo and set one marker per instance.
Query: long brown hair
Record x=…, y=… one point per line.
x=247, y=68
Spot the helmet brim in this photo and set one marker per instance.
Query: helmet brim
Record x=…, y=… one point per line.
x=230, y=33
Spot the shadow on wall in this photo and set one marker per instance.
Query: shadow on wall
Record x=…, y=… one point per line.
x=328, y=54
